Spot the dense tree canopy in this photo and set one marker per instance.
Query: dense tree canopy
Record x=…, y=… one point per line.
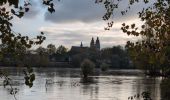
x=116, y=57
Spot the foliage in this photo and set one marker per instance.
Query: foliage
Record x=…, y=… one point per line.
x=153, y=49
x=77, y=59
x=143, y=96
x=41, y=50
x=152, y=52
x=115, y=50
x=116, y=56
x=87, y=68
x=29, y=76
x=94, y=56
x=14, y=44
x=51, y=49
x=7, y=82
x=42, y=57
x=111, y=6
x=61, y=50
x=104, y=66
x=9, y=38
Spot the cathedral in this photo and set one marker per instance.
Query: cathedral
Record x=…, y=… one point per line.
x=94, y=45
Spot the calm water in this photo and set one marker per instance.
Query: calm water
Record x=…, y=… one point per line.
x=66, y=84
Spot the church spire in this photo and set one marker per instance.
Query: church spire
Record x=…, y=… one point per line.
x=81, y=45
x=98, y=43
x=92, y=43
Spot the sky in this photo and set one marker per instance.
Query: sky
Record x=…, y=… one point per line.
x=76, y=21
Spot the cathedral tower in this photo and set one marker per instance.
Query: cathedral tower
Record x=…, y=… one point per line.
x=92, y=45
x=97, y=43
x=81, y=45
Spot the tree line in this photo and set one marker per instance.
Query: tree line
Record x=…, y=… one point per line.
x=113, y=57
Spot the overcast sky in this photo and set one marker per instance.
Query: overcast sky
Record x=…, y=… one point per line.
x=76, y=21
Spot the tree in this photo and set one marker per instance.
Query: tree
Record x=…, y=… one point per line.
x=116, y=56
x=41, y=51
x=154, y=45
x=106, y=53
x=15, y=42
x=51, y=49
x=87, y=68
x=61, y=50
x=42, y=57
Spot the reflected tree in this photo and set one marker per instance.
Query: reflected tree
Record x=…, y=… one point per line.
x=164, y=89
x=42, y=57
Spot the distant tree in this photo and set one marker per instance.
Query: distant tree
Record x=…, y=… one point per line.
x=77, y=59
x=94, y=56
x=41, y=50
x=118, y=50
x=106, y=53
x=116, y=56
x=42, y=56
x=61, y=50
x=87, y=68
x=51, y=49
x=115, y=61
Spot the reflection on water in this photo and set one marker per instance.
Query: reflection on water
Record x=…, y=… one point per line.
x=165, y=89
x=66, y=84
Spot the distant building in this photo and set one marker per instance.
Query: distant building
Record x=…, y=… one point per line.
x=92, y=44
x=78, y=49
x=97, y=45
x=81, y=49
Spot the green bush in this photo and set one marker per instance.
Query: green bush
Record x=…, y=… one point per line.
x=104, y=67
x=87, y=68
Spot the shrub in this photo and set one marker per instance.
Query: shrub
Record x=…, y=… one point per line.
x=87, y=68
x=104, y=67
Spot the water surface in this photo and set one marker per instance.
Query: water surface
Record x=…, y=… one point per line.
x=66, y=84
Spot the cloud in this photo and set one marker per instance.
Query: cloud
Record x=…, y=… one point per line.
x=77, y=20
x=75, y=10
x=87, y=11
x=72, y=35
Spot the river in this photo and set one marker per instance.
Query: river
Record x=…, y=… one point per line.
x=66, y=84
